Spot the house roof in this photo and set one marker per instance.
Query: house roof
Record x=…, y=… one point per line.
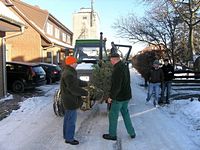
x=33, y=13
x=37, y=18
x=7, y=17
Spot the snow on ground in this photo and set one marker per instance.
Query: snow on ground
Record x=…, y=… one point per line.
x=188, y=113
x=165, y=124
x=35, y=126
x=8, y=97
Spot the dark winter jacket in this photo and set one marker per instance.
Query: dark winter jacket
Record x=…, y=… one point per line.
x=113, y=50
x=120, y=83
x=71, y=90
x=168, y=72
x=156, y=75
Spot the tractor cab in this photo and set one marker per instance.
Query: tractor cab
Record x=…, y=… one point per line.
x=88, y=53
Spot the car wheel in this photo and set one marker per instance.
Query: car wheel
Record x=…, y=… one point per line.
x=53, y=81
x=18, y=86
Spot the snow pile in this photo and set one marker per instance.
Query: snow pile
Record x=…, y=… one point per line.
x=189, y=112
x=8, y=97
x=192, y=112
x=33, y=104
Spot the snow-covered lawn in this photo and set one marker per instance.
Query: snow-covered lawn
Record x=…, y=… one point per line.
x=35, y=127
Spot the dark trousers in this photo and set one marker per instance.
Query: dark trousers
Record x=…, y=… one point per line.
x=166, y=88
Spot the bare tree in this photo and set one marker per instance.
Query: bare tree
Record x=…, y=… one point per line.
x=157, y=27
x=188, y=11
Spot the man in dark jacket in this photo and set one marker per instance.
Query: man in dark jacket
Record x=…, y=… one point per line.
x=71, y=93
x=168, y=71
x=120, y=94
x=155, y=80
x=113, y=49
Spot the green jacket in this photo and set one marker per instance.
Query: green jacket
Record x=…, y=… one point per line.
x=120, y=83
x=71, y=90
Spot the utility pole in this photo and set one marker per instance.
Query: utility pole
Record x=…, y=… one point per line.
x=91, y=14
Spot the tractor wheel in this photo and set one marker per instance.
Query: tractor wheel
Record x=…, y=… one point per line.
x=57, y=104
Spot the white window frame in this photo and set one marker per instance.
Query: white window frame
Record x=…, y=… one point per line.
x=64, y=37
x=68, y=38
x=57, y=33
x=49, y=29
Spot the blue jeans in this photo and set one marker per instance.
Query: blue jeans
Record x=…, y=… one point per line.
x=69, y=124
x=166, y=86
x=116, y=107
x=153, y=88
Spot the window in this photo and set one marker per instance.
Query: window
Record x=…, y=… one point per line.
x=49, y=29
x=10, y=67
x=84, y=17
x=22, y=68
x=57, y=33
x=88, y=53
x=64, y=37
x=68, y=39
x=49, y=54
x=49, y=57
x=58, y=57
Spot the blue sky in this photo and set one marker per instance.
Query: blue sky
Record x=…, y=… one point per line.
x=108, y=10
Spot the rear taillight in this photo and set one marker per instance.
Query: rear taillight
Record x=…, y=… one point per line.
x=55, y=72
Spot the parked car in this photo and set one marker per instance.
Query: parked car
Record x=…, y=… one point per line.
x=53, y=72
x=179, y=67
x=22, y=75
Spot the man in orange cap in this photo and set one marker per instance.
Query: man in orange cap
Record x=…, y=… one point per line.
x=71, y=93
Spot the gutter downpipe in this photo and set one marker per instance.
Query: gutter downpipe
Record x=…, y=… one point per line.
x=4, y=57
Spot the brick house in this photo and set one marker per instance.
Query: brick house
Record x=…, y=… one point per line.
x=9, y=23
x=44, y=40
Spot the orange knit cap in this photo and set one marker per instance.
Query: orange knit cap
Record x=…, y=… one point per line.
x=70, y=60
